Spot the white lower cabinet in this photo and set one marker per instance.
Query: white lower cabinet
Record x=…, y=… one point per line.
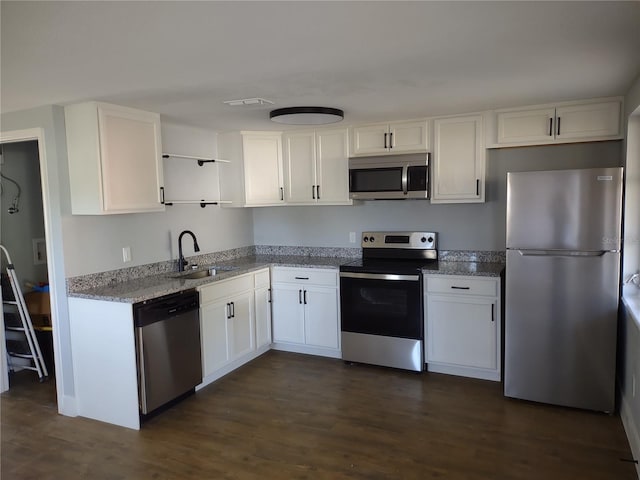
x=462, y=325
x=233, y=318
x=263, y=308
x=305, y=311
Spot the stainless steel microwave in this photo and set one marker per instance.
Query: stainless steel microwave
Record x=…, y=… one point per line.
x=390, y=177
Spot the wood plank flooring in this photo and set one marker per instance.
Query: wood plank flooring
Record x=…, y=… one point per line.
x=290, y=416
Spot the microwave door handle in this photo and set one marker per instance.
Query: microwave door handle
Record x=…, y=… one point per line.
x=405, y=179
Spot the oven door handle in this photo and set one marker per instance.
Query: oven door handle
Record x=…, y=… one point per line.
x=405, y=179
x=380, y=276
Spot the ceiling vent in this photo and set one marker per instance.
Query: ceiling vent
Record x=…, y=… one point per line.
x=248, y=101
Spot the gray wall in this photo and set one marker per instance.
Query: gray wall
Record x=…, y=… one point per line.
x=22, y=164
x=460, y=226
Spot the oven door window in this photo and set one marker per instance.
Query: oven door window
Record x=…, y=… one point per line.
x=376, y=180
x=391, y=308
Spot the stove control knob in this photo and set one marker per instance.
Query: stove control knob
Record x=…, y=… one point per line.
x=365, y=239
x=423, y=239
x=371, y=239
x=430, y=239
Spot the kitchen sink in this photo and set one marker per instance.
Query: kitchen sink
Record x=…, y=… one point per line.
x=208, y=272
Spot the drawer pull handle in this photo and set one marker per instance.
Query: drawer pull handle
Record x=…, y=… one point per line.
x=460, y=288
x=302, y=278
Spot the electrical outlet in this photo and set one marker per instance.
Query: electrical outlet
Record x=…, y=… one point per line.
x=126, y=254
x=352, y=237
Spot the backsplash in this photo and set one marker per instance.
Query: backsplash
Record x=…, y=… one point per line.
x=309, y=251
x=94, y=280
x=472, y=256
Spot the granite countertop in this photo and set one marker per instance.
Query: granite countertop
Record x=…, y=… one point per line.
x=153, y=286
x=475, y=269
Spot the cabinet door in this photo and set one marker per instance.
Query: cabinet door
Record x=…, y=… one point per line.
x=529, y=126
x=299, y=167
x=370, y=139
x=131, y=160
x=263, y=169
x=591, y=120
x=462, y=331
x=408, y=137
x=332, y=166
x=241, y=326
x=263, y=316
x=321, y=326
x=288, y=314
x=213, y=321
x=458, y=163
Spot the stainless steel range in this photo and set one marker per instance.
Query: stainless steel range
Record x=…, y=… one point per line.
x=381, y=299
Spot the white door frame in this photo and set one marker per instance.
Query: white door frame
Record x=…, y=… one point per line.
x=37, y=134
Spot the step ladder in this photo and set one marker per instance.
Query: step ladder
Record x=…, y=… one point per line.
x=20, y=336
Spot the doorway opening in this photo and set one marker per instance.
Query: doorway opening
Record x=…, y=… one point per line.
x=22, y=233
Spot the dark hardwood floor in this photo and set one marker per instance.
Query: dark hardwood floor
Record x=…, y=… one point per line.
x=289, y=416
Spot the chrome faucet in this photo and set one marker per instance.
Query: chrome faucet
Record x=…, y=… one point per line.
x=181, y=261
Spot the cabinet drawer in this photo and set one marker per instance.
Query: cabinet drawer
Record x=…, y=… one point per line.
x=262, y=278
x=462, y=285
x=312, y=276
x=225, y=288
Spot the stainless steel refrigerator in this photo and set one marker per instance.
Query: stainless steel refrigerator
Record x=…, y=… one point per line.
x=562, y=286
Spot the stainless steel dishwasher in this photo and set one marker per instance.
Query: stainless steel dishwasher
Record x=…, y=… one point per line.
x=167, y=348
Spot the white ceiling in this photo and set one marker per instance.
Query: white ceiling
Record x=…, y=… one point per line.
x=377, y=61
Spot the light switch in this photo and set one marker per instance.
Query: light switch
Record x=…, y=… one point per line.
x=126, y=254
x=352, y=237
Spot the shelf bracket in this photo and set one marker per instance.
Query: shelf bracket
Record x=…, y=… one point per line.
x=201, y=160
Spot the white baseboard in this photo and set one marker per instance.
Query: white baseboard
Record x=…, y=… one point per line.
x=464, y=371
x=630, y=427
x=67, y=406
x=308, y=350
x=230, y=367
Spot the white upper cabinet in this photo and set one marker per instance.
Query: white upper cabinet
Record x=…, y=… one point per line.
x=593, y=120
x=458, y=160
x=300, y=167
x=316, y=167
x=562, y=123
x=254, y=177
x=389, y=138
x=115, y=162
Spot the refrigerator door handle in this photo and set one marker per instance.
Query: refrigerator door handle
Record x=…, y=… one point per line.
x=564, y=253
